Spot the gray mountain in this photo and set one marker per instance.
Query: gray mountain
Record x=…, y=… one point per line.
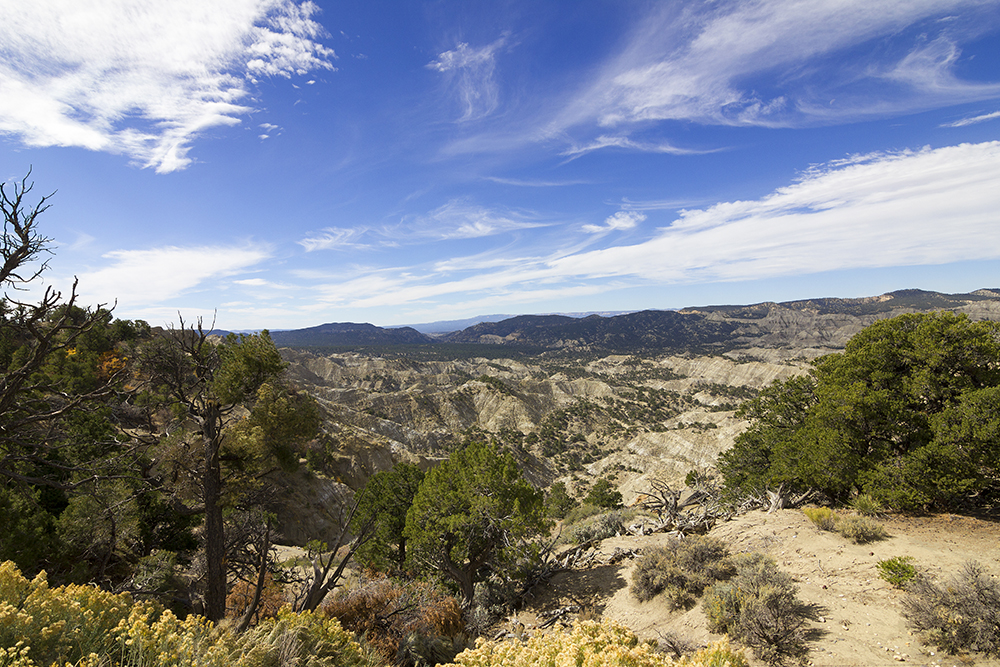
x=348, y=334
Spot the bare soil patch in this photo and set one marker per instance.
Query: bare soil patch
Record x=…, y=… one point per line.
x=859, y=621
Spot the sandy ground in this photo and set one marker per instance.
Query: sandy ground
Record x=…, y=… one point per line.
x=859, y=620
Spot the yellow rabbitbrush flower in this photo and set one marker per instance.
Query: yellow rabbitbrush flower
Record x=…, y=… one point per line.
x=56, y=625
x=590, y=644
x=82, y=626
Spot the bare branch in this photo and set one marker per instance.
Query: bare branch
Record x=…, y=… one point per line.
x=21, y=242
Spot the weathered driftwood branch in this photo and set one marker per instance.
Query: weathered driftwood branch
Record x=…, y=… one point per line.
x=780, y=498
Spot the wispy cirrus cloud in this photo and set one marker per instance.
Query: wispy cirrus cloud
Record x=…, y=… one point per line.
x=147, y=278
x=456, y=219
x=472, y=74
x=459, y=219
x=144, y=78
x=332, y=238
x=982, y=118
x=605, y=141
x=528, y=183
x=776, y=63
x=911, y=208
x=618, y=221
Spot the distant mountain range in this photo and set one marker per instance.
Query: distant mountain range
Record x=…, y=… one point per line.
x=339, y=334
x=825, y=322
x=449, y=326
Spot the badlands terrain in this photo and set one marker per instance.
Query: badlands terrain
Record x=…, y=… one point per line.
x=578, y=401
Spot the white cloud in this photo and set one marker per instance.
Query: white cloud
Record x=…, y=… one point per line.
x=913, y=208
x=620, y=220
x=334, y=237
x=605, y=141
x=144, y=78
x=973, y=120
x=460, y=220
x=472, y=73
x=881, y=210
x=146, y=278
x=781, y=62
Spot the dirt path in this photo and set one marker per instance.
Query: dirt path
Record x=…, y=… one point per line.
x=861, y=621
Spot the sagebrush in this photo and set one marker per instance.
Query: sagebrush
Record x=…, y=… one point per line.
x=599, y=527
x=759, y=607
x=681, y=570
x=961, y=615
x=860, y=529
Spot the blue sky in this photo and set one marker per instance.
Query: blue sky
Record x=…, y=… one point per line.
x=285, y=164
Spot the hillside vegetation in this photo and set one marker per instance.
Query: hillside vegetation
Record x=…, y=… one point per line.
x=147, y=475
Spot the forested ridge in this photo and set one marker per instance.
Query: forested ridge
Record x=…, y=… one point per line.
x=143, y=473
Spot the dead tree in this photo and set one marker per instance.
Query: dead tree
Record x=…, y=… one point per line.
x=327, y=572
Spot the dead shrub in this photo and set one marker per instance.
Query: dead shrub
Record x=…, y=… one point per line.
x=405, y=622
x=272, y=598
x=962, y=615
x=681, y=570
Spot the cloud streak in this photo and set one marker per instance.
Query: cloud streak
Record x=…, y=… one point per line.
x=909, y=208
x=974, y=119
x=605, y=141
x=143, y=278
x=773, y=63
x=144, y=78
x=472, y=74
x=454, y=220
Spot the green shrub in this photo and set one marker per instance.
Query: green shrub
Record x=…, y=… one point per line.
x=558, y=502
x=604, y=494
x=860, y=529
x=681, y=570
x=867, y=505
x=581, y=512
x=962, y=615
x=824, y=517
x=898, y=571
x=759, y=607
x=599, y=527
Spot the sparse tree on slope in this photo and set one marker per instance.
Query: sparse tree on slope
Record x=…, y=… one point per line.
x=213, y=385
x=383, y=505
x=472, y=513
x=905, y=413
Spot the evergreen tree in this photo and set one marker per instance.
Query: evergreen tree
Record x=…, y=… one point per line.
x=384, y=503
x=906, y=413
x=472, y=513
x=231, y=392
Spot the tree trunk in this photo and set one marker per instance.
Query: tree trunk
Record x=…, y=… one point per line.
x=463, y=576
x=214, y=536
x=265, y=545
